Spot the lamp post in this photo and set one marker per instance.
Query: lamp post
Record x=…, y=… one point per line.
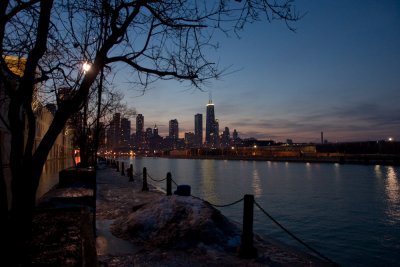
x=84, y=142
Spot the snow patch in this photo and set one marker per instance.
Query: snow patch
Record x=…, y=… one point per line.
x=177, y=222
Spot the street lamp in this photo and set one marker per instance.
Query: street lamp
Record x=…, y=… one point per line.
x=84, y=141
x=86, y=67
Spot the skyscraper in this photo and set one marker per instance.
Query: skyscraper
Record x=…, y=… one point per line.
x=139, y=130
x=173, y=129
x=139, y=124
x=210, y=123
x=198, y=129
x=155, y=130
x=125, y=141
x=235, y=136
x=113, y=136
x=215, y=136
x=225, y=139
x=149, y=133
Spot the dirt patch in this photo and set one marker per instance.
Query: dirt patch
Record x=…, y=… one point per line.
x=62, y=237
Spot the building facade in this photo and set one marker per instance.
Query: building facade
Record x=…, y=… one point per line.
x=198, y=130
x=114, y=131
x=119, y=134
x=173, y=129
x=210, y=123
x=139, y=131
x=125, y=141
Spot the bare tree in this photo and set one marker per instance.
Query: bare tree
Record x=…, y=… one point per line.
x=97, y=118
x=155, y=39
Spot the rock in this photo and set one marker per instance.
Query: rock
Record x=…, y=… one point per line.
x=179, y=222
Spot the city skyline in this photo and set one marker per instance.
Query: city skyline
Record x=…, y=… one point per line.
x=338, y=74
x=170, y=129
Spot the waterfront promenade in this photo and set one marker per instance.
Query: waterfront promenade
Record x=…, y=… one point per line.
x=118, y=200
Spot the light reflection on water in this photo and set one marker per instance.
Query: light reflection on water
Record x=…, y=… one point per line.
x=393, y=194
x=351, y=213
x=256, y=183
x=207, y=184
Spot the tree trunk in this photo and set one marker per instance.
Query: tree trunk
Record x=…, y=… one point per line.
x=25, y=181
x=84, y=138
x=3, y=202
x=3, y=189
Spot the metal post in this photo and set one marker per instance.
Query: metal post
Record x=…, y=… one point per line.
x=122, y=169
x=117, y=164
x=94, y=204
x=131, y=173
x=246, y=249
x=169, y=181
x=145, y=187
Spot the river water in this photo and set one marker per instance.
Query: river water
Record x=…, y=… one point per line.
x=349, y=213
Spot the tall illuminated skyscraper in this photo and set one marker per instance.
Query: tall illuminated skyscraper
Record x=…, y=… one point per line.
x=198, y=129
x=210, y=123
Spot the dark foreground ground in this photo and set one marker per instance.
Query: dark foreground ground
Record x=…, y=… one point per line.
x=63, y=230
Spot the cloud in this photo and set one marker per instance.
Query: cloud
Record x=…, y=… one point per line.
x=364, y=121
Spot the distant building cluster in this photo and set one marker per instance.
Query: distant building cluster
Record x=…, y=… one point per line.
x=119, y=138
x=119, y=133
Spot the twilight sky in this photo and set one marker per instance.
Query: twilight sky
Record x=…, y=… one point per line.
x=339, y=73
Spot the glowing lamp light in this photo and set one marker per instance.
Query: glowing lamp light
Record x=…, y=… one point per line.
x=390, y=139
x=86, y=66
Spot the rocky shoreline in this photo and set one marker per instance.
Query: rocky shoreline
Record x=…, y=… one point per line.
x=162, y=230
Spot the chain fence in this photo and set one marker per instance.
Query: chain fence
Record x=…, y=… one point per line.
x=313, y=250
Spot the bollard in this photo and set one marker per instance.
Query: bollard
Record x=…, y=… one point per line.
x=169, y=181
x=246, y=249
x=183, y=190
x=130, y=173
x=145, y=187
x=122, y=168
x=117, y=164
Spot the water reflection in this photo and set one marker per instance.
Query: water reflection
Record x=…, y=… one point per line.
x=208, y=180
x=378, y=171
x=393, y=194
x=256, y=183
x=351, y=208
